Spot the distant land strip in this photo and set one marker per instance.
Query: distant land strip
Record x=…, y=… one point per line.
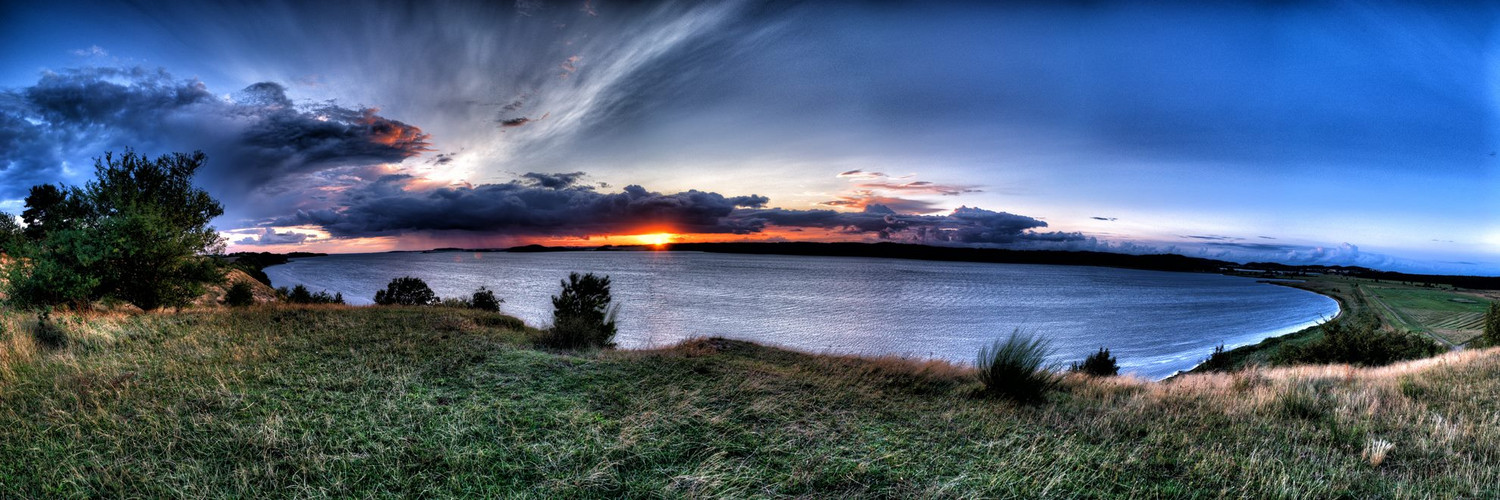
x=1152, y=262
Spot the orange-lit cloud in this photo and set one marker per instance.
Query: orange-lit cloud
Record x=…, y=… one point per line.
x=407, y=138
x=878, y=189
x=862, y=199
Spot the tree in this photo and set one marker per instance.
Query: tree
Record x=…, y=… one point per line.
x=138, y=233
x=11, y=234
x=582, y=315
x=1099, y=364
x=406, y=291
x=1491, y=336
x=49, y=209
x=485, y=299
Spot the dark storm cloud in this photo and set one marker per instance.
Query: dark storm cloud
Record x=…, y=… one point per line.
x=259, y=143
x=264, y=94
x=306, y=140
x=553, y=181
x=63, y=111
x=863, y=199
x=541, y=204
x=515, y=122
x=269, y=236
x=396, y=204
x=964, y=225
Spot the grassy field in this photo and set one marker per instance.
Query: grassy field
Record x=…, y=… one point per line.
x=323, y=401
x=1451, y=317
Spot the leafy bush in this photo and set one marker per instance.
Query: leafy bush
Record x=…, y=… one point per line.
x=485, y=299
x=406, y=291
x=139, y=233
x=1358, y=341
x=240, y=294
x=301, y=295
x=1099, y=364
x=1015, y=368
x=582, y=316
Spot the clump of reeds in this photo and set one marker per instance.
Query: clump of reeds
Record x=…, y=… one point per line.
x=1015, y=368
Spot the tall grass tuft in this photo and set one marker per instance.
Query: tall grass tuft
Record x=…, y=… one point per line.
x=1015, y=368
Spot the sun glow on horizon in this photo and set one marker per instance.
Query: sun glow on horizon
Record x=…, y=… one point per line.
x=656, y=239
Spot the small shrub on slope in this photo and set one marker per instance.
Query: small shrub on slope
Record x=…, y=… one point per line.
x=1358, y=341
x=582, y=315
x=240, y=294
x=485, y=299
x=1099, y=364
x=406, y=291
x=301, y=295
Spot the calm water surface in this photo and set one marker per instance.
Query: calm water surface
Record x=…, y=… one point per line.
x=1156, y=323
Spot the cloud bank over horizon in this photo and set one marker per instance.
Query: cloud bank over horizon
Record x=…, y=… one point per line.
x=343, y=170
x=1225, y=131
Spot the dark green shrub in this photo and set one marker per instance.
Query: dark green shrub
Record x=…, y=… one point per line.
x=48, y=333
x=301, y=295
x=1358, y=341
x=1099, y=364
x=582, y=315
x=1015, y=368
x=406, y=291
x=485, y=299
x=240, y=294
x=1218, y=361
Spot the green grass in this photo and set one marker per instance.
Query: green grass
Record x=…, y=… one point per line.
x=1428, y=299
x=1453, y=318
x=327, y=401
x=1449, y=316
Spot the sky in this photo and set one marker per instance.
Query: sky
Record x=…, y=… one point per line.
x=1299, y=132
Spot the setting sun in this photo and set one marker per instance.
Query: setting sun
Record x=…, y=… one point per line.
x=657, y=239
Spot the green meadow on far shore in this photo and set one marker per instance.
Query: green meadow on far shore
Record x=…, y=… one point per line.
x=1448, y=315
x=336, y=401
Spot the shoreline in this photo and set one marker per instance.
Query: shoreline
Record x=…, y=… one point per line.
x=1151, y=367
x=1245, y=354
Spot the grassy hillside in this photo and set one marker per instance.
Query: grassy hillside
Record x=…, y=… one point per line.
x=338, y=401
